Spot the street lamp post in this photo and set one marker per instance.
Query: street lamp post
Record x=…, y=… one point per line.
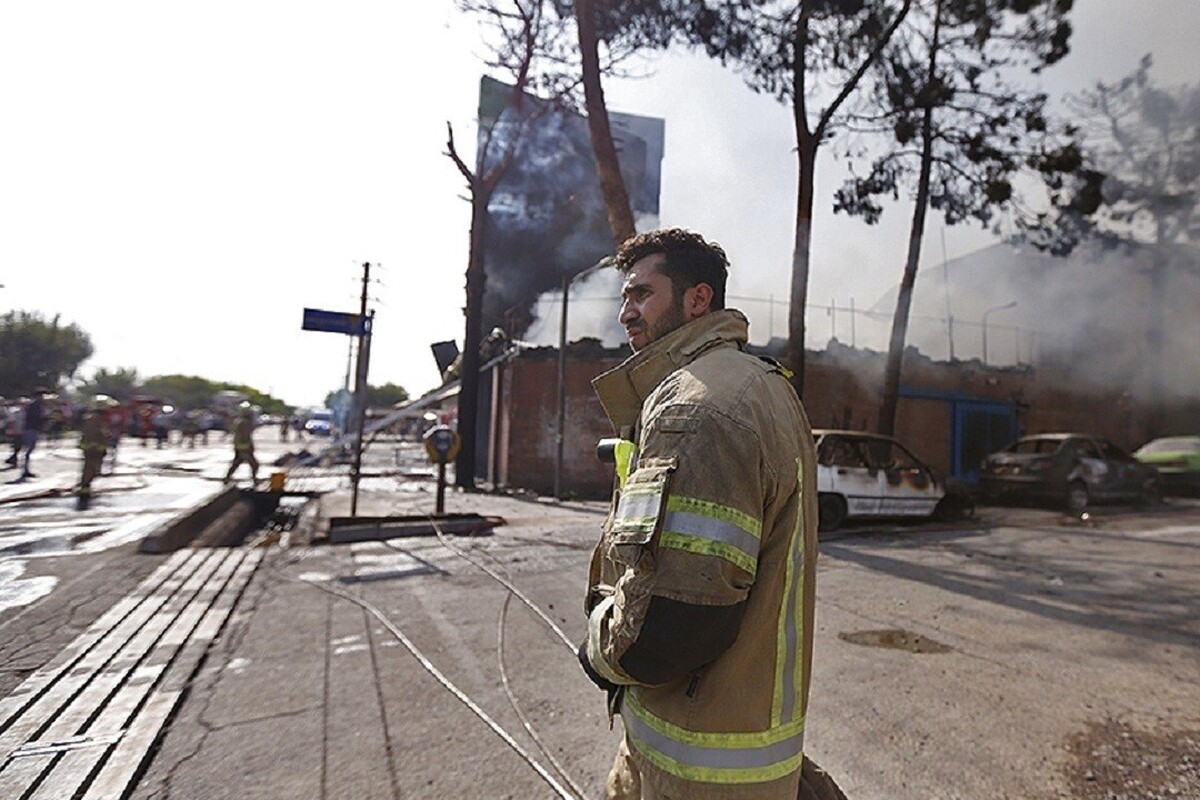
x=559, y=432
x=1009, y=304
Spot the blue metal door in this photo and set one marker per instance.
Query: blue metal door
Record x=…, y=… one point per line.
x=980, y=429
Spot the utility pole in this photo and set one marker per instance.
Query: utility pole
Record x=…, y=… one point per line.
x=360, y=387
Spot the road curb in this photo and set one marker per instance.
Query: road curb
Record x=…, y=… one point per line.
x=180, y=531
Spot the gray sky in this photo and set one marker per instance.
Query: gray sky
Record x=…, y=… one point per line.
x=181, y=180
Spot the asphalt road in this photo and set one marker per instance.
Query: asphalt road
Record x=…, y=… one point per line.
x=1009, y=643
x=1021, y=654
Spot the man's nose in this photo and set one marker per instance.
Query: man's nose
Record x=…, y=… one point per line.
x=627, y=313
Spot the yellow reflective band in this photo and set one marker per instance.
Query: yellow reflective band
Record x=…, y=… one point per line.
x=625, y=452
x=789, y=663
x=722, y=758
x=707, y=508
x=706, y=547
x=707, y=528
x=638, y=508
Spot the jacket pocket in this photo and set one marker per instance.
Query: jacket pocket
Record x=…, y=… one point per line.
x=640, y=511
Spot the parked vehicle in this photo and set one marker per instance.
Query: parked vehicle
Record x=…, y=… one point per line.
x=1177, y=459
x=1073, y=469
x=863, y=475
x=319, y=423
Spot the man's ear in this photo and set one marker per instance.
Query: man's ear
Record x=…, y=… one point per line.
x=697, y=301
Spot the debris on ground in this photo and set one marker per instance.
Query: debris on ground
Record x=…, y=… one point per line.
x=1112, y=760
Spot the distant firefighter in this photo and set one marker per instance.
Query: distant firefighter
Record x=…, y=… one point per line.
x=243, y=444
x=93, y=441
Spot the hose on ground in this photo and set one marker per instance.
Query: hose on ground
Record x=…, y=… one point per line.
x=462, y=696
x=512, y=701
x=507, y=584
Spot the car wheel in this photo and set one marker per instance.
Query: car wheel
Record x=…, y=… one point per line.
x=831, y=512
x=1077, y=496
x=954, y=507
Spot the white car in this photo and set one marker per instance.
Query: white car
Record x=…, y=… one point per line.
x=867, y=475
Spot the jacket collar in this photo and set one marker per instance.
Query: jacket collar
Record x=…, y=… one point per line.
x=623, y=389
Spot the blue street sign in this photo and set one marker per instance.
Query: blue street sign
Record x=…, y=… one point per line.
x=333, y=322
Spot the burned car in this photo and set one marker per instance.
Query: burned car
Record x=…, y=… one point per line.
x=1072, y=469
x=869, y=475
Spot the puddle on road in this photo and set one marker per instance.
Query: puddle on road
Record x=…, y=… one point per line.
x=47, y=545
x=895, y=639
x=16, y=591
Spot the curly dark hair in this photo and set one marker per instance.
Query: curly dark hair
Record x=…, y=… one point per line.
x=690, y=260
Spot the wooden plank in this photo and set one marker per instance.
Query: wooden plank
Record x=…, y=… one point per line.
x=91, y=685
x=29, y=762
x=22, y=696
x=74, y=766
x=59, y=692
x=125, y=763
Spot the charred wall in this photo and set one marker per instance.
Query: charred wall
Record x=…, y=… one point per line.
x=841, y=391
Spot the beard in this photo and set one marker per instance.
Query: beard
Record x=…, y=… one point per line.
x=672, y=319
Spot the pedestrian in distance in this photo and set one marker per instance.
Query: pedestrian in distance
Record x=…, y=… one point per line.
x=161, y=422
x=33, y=420
x=93, y=441
x=701, y=589
x=243, y=444
x=14, y=422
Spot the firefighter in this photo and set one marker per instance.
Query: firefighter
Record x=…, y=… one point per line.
x=700, y=595
x=93, y=441
x=243, y=444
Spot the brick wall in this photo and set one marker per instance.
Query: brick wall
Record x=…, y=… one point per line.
x=529, y=408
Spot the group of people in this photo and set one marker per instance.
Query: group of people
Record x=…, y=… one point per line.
x=101, y=425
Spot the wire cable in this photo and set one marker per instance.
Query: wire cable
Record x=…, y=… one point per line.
x=512, y=701
x=445, y=540
x=462, y=696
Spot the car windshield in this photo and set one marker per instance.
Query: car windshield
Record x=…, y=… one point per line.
x=867, y=452
x=1032, y=447
x=887, y=454
x=1172, y=444
x=322, y=416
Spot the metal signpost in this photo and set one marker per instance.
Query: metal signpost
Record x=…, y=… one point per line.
x=359, y=325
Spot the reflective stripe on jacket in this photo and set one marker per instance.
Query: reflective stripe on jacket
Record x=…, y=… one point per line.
x=701, y=588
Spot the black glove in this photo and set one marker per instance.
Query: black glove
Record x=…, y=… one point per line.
x=595, y=677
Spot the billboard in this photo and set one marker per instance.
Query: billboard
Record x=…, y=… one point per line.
x=547, y=218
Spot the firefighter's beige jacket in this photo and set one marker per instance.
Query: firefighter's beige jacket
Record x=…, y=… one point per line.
x=701, y=589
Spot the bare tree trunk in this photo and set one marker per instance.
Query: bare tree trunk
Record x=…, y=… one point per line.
x=806, y=153
x=807, y=143
x=608, y=169
x=895, y=357
x=468, y=391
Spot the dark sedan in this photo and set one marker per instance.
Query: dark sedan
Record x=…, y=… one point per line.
x=1074, y=469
